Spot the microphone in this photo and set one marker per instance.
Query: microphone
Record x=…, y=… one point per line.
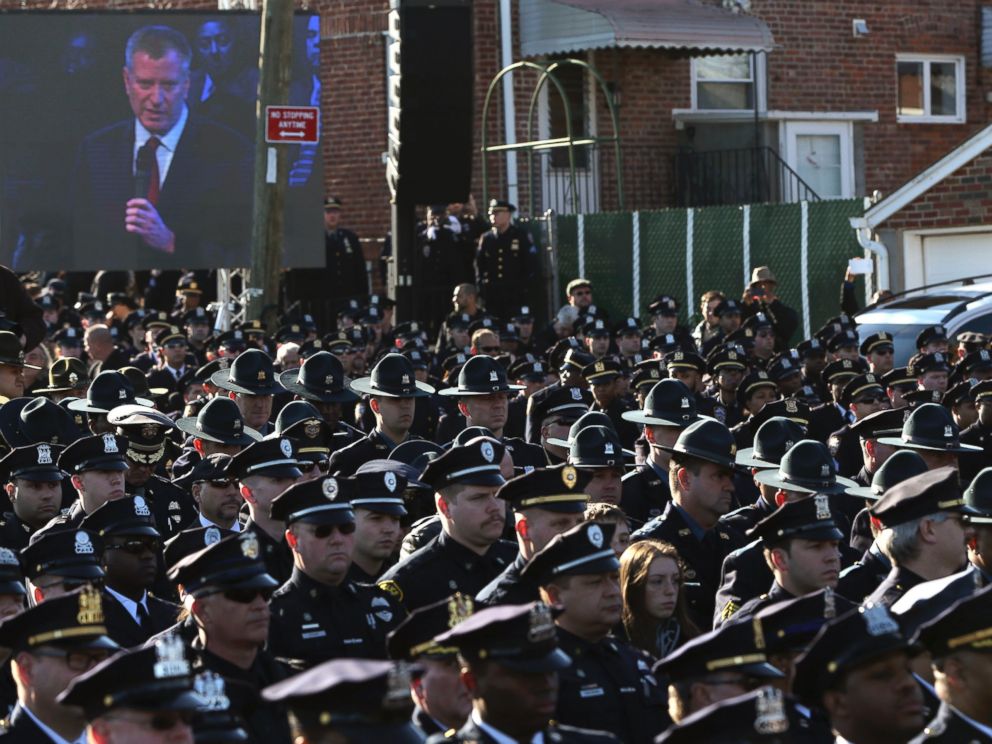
x=143, y=172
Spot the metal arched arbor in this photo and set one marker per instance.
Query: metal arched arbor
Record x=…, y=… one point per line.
x=547, y=72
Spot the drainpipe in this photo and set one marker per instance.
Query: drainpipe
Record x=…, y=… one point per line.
x=509, y=112
x=863, y=233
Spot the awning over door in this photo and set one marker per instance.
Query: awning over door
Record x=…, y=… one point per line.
x=561, y=26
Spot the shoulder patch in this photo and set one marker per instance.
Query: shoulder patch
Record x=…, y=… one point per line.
x=391, y=587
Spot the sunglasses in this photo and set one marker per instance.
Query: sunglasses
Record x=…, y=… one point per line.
x=323, y=466
x=137, y=547
x=77, y=661
x=323, y=531
x=246, y=596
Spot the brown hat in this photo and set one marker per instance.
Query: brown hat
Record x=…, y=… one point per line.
x=763, y=274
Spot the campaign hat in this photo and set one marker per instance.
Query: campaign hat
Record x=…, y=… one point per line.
x=897, y=467
x=414, y=638
x=978, y=495
x=596, y=447
x=669, y=403
x=65, y=374
x=220, y=421
x=583, y=549
x=477, y=462
x=12, y=352
x=26, y=421
x=71, y=554
x=154, y=677
x=589, y=418
x=774, y=438
x=108, y=389
x=481, y=375
x=920, y=496
x=806, y=468
x=930, y=427
x=706, y=439
x=557, y=489
x=251, y=373
x=321, y=378
x=72, y=621
x=392, y=377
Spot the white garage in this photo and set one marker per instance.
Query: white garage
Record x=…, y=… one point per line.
x=930, y=257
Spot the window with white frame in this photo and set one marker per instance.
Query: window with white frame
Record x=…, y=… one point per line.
x=726, y=82
x=930, y=88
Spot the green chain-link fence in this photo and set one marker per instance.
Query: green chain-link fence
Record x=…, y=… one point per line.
x=631, y=258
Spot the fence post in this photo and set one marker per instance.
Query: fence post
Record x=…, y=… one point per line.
x=582, y=245
x=690, y=292
x=746, y=243
x=636, y=263
x=804, y=264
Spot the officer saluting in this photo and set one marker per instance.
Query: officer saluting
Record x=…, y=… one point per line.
x=468, y=553
x=505, y=650
x=319, y=614
x=506, y=261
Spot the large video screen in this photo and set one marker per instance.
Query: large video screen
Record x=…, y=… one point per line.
x=126, y=141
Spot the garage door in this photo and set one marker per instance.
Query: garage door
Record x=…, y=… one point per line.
x=953, y=256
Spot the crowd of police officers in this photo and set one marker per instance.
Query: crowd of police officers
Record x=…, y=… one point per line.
x=592, y=530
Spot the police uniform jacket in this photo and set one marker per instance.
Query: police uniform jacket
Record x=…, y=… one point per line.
x=752, y=607
x=825, y=420
x=899, y=581
x=68, y=519
x=703, y=558
x=972, y=462
x=424, y=724
x=347, y=460
x=949, y=727
x=553, y=734
x=509, y=587
x=265, y=722
x=845, y=448
x=861, y=579
x=20, y=728
x=122, y=627
x=276, y=553
x=314, y=622
x=644, y=494
x=532, y=428
x=744, y=576
x=442, y=567
x=609, y=685
x=516, y=417
x=627, y=431
x=504, y=265
x=14, y=533
x=172, y=506
x=746, y=517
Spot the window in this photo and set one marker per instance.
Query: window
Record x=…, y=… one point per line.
x=725, y=82
x=573, y=80
x=930, y=89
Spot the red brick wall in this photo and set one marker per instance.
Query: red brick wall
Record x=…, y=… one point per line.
x=960, y=200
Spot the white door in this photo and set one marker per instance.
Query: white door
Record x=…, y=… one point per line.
x=943, y=257
x=822, y=155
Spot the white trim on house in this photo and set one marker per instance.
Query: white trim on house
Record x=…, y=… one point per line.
x=757, y=81
x=960, y=94
x=736, y=117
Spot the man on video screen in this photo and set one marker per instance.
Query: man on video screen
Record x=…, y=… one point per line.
x=166, y=188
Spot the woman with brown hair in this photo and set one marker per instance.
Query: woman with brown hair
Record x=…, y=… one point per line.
x=654, y=613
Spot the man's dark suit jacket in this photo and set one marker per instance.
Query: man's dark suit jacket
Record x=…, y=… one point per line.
x=205, y=199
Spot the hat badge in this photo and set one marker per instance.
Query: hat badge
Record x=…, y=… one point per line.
x=249, y=546
x=685, y=402
x=486, y=450
x=44, y=454
x=877, y=619
x=569, y=476
x=90, y=607
x=493, y=376
x=311, y=429
x=170, y=658
x=210, y=687
x=211, y=536
x=122, y=394
x=329, y=488
x=329, y=379
x=599, y=366
x=608, y=448
x=389, y=481
x=285, y=447
x=460, y=607
x=110, y=444
x=770, y=716
x=948, y=432
x=791, y=406
x=595, y=535
x=576, y=393
x=141, y=507
x=405, y=380
x=73, y=379
x=83, y=544
x=261, y=375
x=541, y=624
x=825, y=471
x=8, y=557
x=822, y=504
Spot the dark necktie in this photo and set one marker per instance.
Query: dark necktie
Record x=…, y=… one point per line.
x=149, y=149
x=143, y=619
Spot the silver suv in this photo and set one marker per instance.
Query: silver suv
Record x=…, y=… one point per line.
x=961, y=305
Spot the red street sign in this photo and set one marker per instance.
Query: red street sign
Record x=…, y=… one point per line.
x=299, y=124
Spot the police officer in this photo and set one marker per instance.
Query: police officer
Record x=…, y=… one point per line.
x=609, y=683
x=131, y=548
x=252, y=379
x=700, y=475
x=227, y=590
x=554, y=415
x=377, y=500
x=669, y=409
x=545, y=503
x=393, y=390
x=468, y=553
x=34, y=487
x=506, y=261
x=568, y=361
x=66, y=377
x=319, y=614
x=265, y=469
x=321, y=381
x=863, y=395
x=832, y=415
x=442, y=702
x=219, y=427
x=605, y=379
x=217, y=496
x=108, y=390
x=979, y=434
x=49, y=645
x=59, y=562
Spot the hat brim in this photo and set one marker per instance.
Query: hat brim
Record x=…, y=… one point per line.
x=83, y=404
x=288, y=380
x=188, y=426
x=393, y=510
x=83, y=384
x=127, y=530
x=771, y=478
x=363, y=385
x=109, y=463
x=745, y=458
x=276, y=471
x=598, y=566
x=641, y=417
x=92, y=643
x=221, y=378
x=74, y=571
x=903, y=444
x=554, y=661
x=701, y=455
x=864, y=492
x=762, y=670
x=454, y=392
x=13, y=587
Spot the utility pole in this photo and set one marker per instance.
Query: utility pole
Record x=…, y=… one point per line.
x=271, y=164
